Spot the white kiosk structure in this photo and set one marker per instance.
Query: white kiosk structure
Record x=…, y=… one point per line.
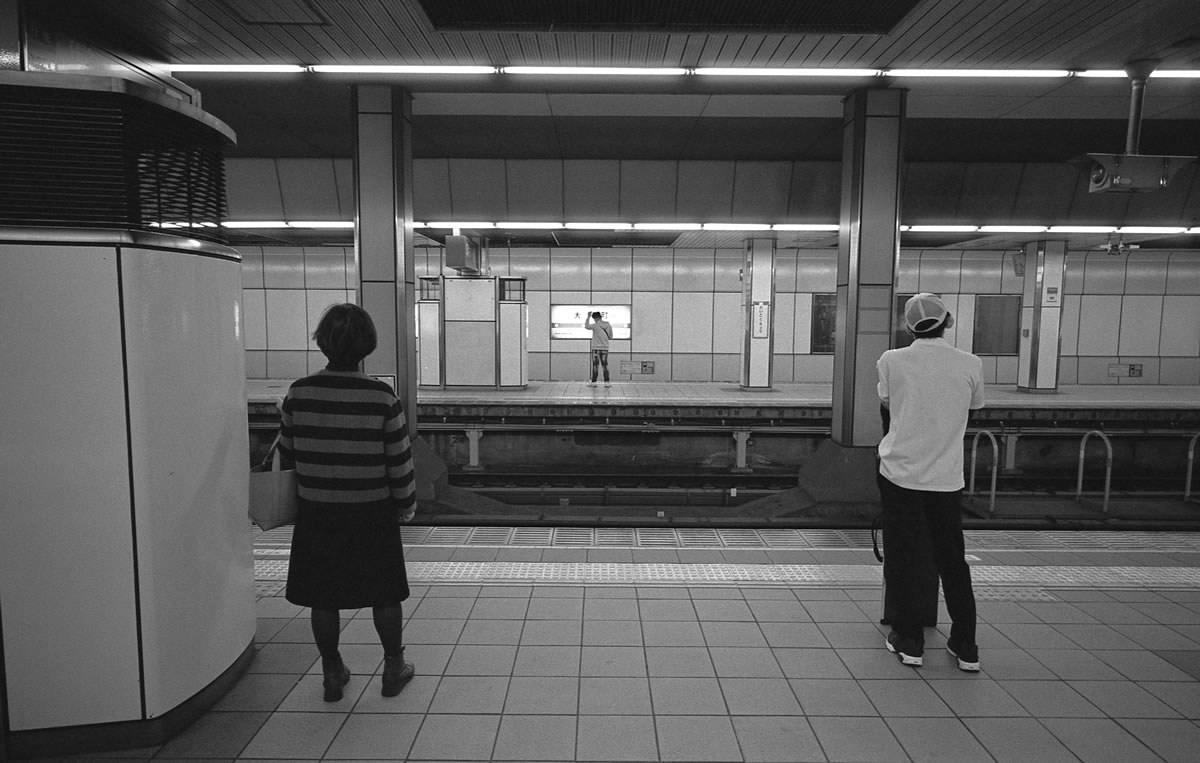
x=472, y=329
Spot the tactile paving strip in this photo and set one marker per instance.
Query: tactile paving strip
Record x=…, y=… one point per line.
x=849, y=575
x=700, y=537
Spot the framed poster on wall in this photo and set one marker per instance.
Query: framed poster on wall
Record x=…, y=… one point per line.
x=566, y=321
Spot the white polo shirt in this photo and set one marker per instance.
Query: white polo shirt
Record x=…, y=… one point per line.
x=930, y=387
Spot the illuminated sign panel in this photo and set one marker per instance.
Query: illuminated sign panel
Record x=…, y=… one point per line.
x=566, y=321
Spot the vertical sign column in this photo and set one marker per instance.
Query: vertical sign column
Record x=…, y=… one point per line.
x=383, y=236
x=1041, y=315
x=758, y=295
x=868, y=247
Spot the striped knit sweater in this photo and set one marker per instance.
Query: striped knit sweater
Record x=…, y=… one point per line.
x=347, y=434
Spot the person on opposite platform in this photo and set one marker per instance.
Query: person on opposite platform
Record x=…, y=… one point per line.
x=928, y=389
x=601, y=336
x=348, y=437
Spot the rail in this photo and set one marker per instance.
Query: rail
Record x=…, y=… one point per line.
x=995, y=460
x=1191, y=459
x=1107, y=467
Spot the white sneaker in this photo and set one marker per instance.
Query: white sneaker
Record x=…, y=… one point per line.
x=607, y=384
x=591, y=384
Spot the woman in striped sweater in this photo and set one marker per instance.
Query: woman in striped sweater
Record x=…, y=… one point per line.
x=347, y=435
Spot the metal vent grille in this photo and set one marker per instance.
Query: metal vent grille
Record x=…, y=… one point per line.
x=78, y=159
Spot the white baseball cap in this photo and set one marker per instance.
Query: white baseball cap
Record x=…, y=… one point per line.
x=924, y=312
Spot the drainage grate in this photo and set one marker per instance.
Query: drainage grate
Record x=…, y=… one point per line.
x=615, y=536
x=532, y=536
x=573, y=536
x=449, y=536
x=490, y=536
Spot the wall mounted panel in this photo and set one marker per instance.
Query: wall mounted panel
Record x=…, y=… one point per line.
x=705, y=192
x=816, y=192
x=252, y=190
x=1183, y=273
x=931, y=191
x=1141, y=325
x=431, y=190
x=612, y=269
x=653, y=269
x=694, y=270
x=66, y=398
x=287, y=320
x=761, y=191
x=651, y=322
x=477, y=189
x=940, y=271
x=1146, y=272
x=252, y=267
x=283, y=267
x=571, y=269
x=325, y=267
x=727, y=322
x=533, y=265
x=989, y=192
x=1180, y=326
x=591, y=190
x=1099, y=324
x=535, y=190
x=727, y=274
x=648, y=191
x=981, y=272
x=692, y=322
x=1103, y=274
x=309, y=189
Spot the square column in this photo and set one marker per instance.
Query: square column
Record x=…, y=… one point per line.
x=758, y=297
x=868, y=249
x=1041, y=316
x=383, y=235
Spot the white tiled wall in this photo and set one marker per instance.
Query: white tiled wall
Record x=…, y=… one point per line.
x=1143, y=308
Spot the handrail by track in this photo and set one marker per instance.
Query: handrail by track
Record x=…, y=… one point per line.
x=1191, y=459
x=1107, y=467
x=995, y=460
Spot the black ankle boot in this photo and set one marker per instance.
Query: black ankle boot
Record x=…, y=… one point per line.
x=337, y=675
x=396, y=673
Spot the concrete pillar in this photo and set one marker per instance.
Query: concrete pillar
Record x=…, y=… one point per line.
x=868, y=247
x=758, y=298
x=383, y=237
x=1041, y=316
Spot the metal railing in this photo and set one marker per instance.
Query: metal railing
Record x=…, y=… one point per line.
x=1107, y=467
x=995, y=463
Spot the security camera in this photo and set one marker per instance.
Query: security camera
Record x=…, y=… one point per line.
x=1132, y=172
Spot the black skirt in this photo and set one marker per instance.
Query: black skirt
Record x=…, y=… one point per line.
x=347, y=557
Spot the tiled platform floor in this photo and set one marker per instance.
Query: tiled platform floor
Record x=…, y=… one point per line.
x=597, y=649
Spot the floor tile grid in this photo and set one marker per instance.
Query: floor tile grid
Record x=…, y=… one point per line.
x=897, y=705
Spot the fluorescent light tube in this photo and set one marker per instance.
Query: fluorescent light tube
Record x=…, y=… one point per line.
x=736, y=226
x=254, y=224
x=1083, y=229
x=666, y=226
x=1150, y=229
x=786, y=72
x=943, y=228
x=468, y=224
x=1012, y=228
x=1178, y=73
x=805, y=227
x=1001, y=73
x=238, y=68
x=599, y=226
x=529, y=226
x=594, y=70
x=320, y=223
x=330, y=69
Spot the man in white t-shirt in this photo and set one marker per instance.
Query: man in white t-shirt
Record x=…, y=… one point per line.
x=927, y=390
x=601, y=336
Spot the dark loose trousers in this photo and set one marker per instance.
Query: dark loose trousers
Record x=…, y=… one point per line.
x=906, y=515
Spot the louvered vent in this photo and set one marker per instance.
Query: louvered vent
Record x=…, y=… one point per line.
x=81, y=159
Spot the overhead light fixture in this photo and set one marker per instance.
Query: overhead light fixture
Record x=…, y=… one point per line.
x=468, y=224
x=599, y=226
x=805, y=227
x=1012, y=228
x=1083, y=229
x=330, y=69
x=666, y=226
x=1102, y=73
x=529, y=226
x=238, y=68
x=1177, y=73
x=320, y=223
x=736, y=226
x=254, y=224
x=943, y=228
x=1166, y=231
x=785, y=72
x=619, y=71
x=999, y=73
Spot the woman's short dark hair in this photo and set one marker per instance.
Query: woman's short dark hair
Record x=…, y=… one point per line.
x=346, y=334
